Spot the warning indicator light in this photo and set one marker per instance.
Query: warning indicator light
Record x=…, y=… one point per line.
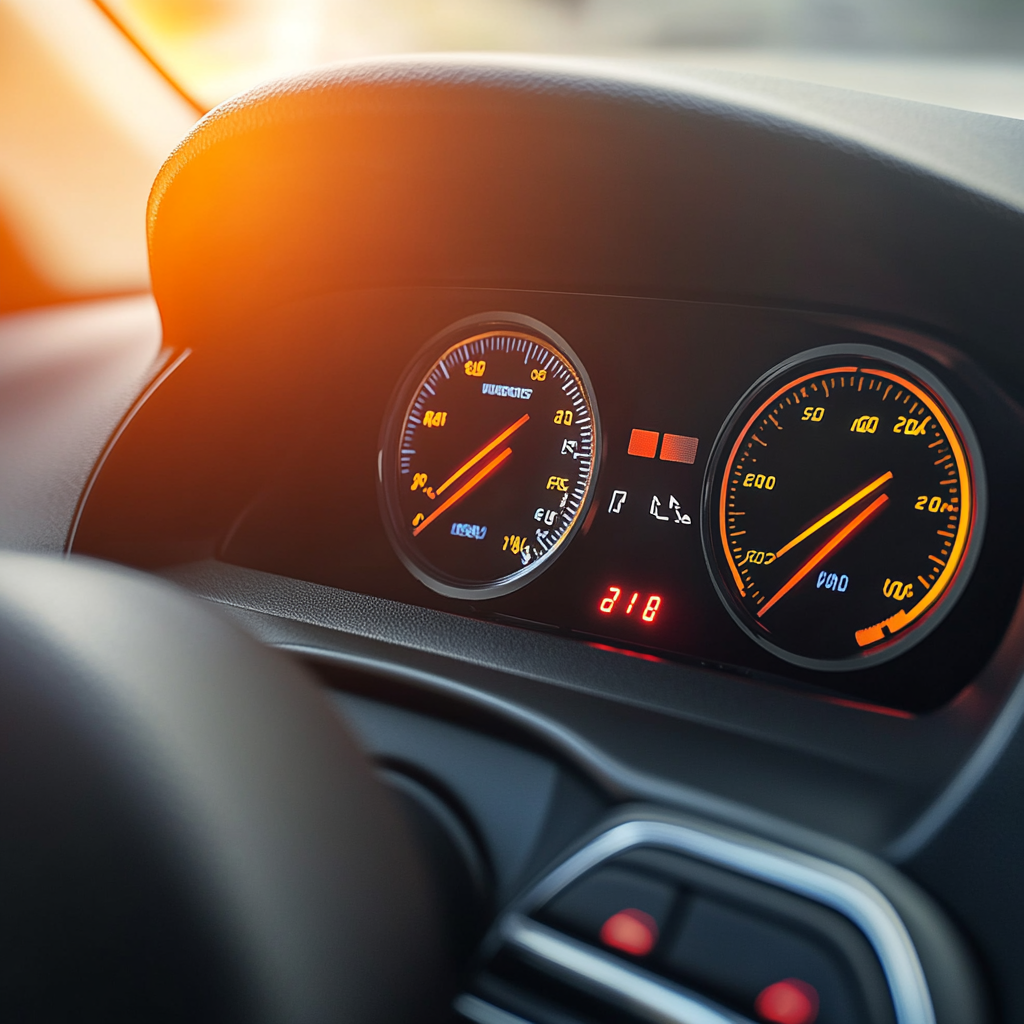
x=674, y=447
x=631, y=931
x=644, y=443
x=679, y=448
x=791, y=1001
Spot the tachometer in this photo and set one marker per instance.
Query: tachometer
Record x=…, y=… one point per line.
x=843, y=507
x=488, y=456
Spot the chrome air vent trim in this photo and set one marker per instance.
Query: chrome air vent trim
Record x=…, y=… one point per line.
x=607, y=977
x=833, y=886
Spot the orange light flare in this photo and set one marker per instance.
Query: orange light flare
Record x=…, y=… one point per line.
x=463, y=490
x=483, y=452
x=840, y=538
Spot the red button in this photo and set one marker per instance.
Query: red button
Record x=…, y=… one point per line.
x=791, y=1001
x=631, y=931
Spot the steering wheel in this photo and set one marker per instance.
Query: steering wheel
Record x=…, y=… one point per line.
x=188, y=830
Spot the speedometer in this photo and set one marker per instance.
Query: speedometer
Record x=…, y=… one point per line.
x=488, y=456
x=843, y=508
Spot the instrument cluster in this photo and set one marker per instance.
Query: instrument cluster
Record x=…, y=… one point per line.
x=793, y=497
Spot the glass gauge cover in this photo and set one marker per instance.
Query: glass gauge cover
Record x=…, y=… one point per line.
x=488, y=456
x=843, y=507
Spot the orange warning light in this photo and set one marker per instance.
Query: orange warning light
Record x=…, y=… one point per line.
x=679, y=448
x=643, y=443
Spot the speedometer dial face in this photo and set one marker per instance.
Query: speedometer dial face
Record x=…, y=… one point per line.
x=843, y=508
x=488, y=456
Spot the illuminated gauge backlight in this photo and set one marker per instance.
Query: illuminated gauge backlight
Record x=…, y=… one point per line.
x=488, y=456
x=844, y=507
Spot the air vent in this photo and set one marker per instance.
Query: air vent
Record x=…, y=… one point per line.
x=662, y=923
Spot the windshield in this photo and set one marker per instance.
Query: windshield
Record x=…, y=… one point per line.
x=966, y=53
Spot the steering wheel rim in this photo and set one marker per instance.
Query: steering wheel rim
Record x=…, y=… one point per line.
x=190, y=830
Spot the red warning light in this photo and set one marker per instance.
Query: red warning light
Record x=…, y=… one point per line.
x=631, y=931
x=679, y=448
x=649, y=606
x=790, y=1001
x=643, y=443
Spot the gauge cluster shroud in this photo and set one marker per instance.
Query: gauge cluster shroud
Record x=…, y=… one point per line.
x=289, y=483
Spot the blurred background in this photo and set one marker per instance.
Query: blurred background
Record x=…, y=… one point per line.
x=94, y=95
x=218, y=47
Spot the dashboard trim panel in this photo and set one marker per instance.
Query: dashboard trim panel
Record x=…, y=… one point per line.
x=606, y=976
x=839, y=888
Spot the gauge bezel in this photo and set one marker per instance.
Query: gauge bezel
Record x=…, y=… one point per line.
x=741, y=412
x=398, y=409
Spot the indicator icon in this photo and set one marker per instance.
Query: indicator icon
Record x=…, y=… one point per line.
x=676, y=510
x=618, y=500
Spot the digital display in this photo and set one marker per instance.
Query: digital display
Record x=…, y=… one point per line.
x=647, y=606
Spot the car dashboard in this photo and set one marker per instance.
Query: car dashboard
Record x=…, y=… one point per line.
x=606, y=440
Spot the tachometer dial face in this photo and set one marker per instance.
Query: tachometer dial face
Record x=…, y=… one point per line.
x=488, y=457
x=843, y=507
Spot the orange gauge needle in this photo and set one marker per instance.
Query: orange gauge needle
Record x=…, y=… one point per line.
x=826, y=549
x=465, y=488
x=486, y=450
x=833, y=513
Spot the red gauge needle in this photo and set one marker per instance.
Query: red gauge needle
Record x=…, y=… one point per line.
x=486, y=450
x=834, y=513
x=465, y=488
x=826, y=549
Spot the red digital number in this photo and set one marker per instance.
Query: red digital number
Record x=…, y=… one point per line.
x=610, y=601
